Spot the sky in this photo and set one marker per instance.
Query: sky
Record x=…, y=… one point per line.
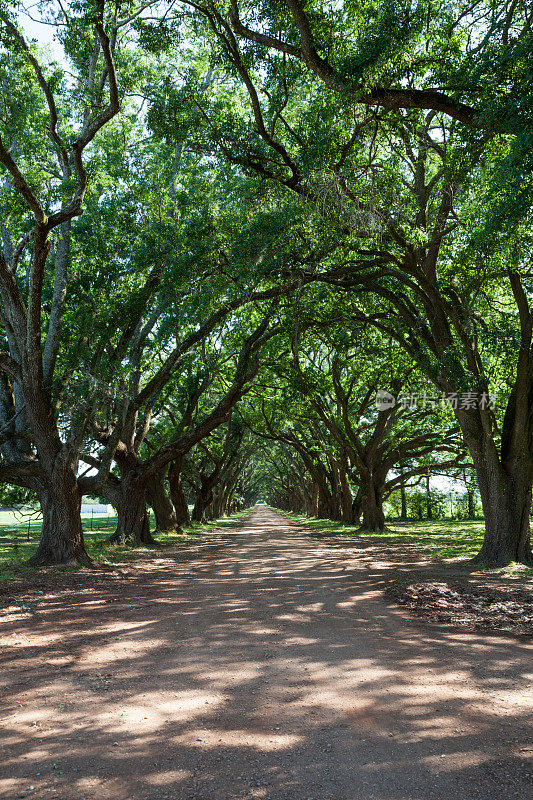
x=40, y=31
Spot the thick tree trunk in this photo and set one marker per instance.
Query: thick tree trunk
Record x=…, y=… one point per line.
x=299, y=503
x=203, y=498
x=217, y=506
x=112, y=491
x=372, y=509
x=61, y=539
x=198, y=511
x=504, y=481
x=136, y=520
x=165, y=518
x=229, y=503
x=177, y=495
x=325, y=505
x=346, y=496
x=313, y=506
x=506, y=505
x=118, y=534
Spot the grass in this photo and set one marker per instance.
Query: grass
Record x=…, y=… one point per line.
x=445, y=539
x=19, y=537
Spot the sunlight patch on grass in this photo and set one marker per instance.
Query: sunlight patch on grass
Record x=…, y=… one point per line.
x=19, y=538
x=445, y=539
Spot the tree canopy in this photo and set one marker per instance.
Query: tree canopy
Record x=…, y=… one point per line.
x=277, y=250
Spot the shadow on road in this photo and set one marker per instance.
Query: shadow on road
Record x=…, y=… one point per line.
x=266, y=667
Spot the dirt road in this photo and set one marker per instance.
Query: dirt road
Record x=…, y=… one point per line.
x=267, y=665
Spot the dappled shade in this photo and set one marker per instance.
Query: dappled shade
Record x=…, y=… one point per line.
x=264, y=664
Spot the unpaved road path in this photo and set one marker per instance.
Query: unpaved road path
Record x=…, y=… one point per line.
x=265, y=666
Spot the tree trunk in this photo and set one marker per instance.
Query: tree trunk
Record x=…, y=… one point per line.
x=112, y=492
x=357, y=506
x=136, y=520
x=372, y=508
x=504, y=481
x=429, y=507
x=228, y=497
x=228, y=500
x=61, y=539
x=118, y=534
x=218, y=504
x=506, y=505
x=165, y=518
x=177, y=495
x=313, y=510
x=471, y=504
x=198, y=512
x=346, y=496
x=325, y=505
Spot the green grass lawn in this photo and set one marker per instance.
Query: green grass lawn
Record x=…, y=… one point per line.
x=447, y=539
x=19, y=537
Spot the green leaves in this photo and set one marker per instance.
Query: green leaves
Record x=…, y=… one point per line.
x=156, y=38
x=385, y=39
